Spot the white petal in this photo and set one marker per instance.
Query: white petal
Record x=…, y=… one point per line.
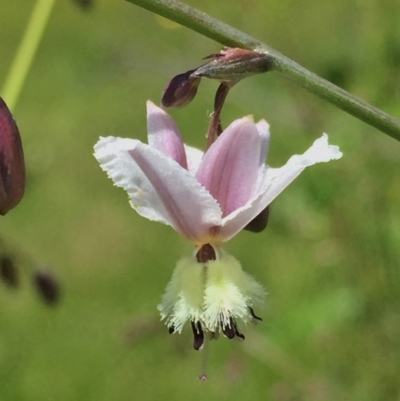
x=114, y=158
x=194, y=157
x=263, y=130
x=191, y=209
x=275, y=180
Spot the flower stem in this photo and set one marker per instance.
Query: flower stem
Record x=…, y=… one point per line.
x=229, y=36
x=26, y=51
x=215, y=128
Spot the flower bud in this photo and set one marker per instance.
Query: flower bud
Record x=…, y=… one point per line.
x=181, y=90
x=234, y=64
x=47, y=287
x=12, y=165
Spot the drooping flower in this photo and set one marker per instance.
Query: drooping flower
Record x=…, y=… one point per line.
x=208, y=199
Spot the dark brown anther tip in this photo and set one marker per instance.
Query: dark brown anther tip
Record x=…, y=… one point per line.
x=198, y=335
x=253, y=315
x=240, y=336
x=180, y=91
x=229, y=331
x=259, y=223
x=205, y=253
x=47, y=287
x=12, y=165
x=9, y=272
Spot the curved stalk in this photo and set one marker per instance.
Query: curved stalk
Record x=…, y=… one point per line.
x=229, y=36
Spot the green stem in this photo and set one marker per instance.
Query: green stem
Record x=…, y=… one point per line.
x=26, y=51
x=229, y=36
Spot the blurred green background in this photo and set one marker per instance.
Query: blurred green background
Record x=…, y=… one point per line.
x=329, y=258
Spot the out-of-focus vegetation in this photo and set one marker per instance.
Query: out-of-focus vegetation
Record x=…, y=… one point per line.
x=329, y=258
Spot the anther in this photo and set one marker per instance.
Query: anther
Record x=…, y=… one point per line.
x=229, y=330
x=198, y=335
x=239, y=335
x=253, y=315
x=171, y=329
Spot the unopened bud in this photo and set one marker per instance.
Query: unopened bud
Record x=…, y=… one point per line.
x=259, y=223
x=47, y=287
x=234, y=64
x=181, y=90
x=12, y=165
x=9, y=272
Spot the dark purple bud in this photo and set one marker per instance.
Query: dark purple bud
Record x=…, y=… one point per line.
x=47, y=287
x=12, y=165
x=181, y=90
x=233, y=64
x=9, y=272
x=259, y=223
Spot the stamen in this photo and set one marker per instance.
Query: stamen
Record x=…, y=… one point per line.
x=239, y=335
x=253, y=315
x=206, y=253
x=229, y=330
x=198, y=335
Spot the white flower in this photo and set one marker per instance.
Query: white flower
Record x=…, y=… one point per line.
x=207, y=198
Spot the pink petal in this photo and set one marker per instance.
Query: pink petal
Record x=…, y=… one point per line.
x=164, y=134
x=229, y=169
x=274, y=181
x=191, y=209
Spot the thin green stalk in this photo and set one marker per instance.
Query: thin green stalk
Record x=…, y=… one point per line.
x=26, y=51
x=229, y=36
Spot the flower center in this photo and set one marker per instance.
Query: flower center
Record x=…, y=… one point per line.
x=230, y=329
x=205, y=254
x=210, y=291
